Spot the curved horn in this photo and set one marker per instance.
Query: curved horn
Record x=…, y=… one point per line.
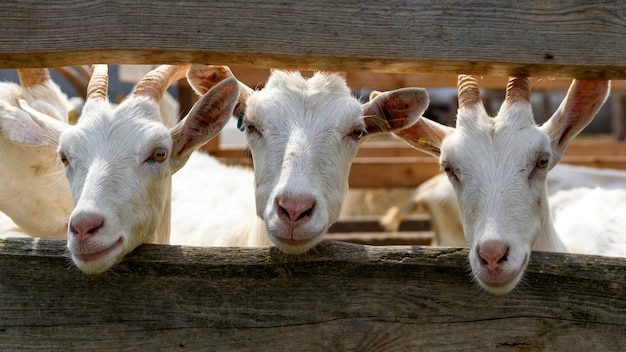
x=518, y=90
x=99, y=83
x=75, y=78
x=33, y=76
x=155, y=82
x=469, y=92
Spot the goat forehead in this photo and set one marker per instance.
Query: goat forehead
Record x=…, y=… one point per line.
x=284, y=112
x=289, y=95
x=499, y=148
x=114, y=136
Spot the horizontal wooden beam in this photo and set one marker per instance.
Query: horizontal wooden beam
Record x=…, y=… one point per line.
x=339, y=297
x=570, y=38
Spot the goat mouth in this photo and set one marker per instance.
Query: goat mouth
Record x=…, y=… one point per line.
x=88, y=257
x=295, y=246
x=294, y=242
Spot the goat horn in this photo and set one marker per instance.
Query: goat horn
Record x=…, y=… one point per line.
x=155, y=82
x=518, y=90
x=75, y=79
x=99, y=83
x=469, y=92
x=33, y=76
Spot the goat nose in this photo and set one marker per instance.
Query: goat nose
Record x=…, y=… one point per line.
x=492, y=254
x=86, y=224
x=295, y=209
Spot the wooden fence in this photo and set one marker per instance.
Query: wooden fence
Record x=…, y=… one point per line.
x=339, y=297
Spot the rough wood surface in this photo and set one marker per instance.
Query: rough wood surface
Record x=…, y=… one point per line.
x=341, y=297
x=565, y=38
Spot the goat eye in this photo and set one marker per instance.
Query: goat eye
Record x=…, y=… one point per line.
x=542, y=163
x=250, y=128
x=159, y=155
x=448, y=170
x=63, y=158
x=357, y=134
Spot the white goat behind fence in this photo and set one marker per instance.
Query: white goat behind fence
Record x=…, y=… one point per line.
x=120, y=161
x=303, y=135
x=437, y=198
x=498, y=168
x=211, y=201
x=34, y=191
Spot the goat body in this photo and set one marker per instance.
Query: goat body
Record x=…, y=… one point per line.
x=213, y=205
x=34, y=191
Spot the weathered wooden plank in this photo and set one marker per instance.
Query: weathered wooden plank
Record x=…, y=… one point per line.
x=340, y=297
x=565, y=38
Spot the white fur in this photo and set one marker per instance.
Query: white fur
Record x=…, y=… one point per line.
x=591, y=220
x=213, y=205
x=498, y=168
x=437, y=198
x=34, y=191
x=121, y=192
x=301, y=133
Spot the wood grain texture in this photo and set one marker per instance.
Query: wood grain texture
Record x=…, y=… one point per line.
x=564, y=38
x=341, y=297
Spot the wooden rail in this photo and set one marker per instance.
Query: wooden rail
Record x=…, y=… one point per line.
x=340, y=298
x=570, y=38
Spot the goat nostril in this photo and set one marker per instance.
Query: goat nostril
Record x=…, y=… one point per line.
x=492, y=253
x=86, y=224
x=304, y=214
x=282, y=211
x=295, y=209
x=482, y=261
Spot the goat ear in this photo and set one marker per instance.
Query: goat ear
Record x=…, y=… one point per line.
x=29, y=126
x=205, y=120
x=581, y=104
x=394, y=110
x=426, y=135
x=203, y=77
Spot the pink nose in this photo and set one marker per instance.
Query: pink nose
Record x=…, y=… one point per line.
x=86, y=224
x=295, y=209
x=493, y=255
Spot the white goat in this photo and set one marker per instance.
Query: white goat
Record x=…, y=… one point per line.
x=437, y=198
x=119, y=163
x=34, y=191
x=303, y=135
x=227, y=191
x=498, y=168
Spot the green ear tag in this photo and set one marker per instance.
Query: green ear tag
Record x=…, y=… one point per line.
x=240, y=121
